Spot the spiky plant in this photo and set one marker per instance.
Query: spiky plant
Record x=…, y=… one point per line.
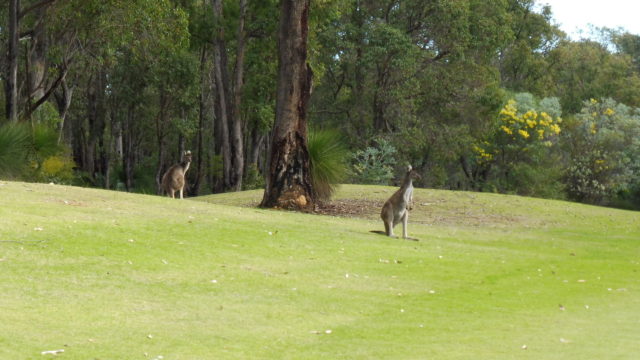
x=327, y=154
x=14, y=145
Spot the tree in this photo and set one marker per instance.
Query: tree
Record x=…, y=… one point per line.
x=603, y=151
x=11, y=85
x=288, y=181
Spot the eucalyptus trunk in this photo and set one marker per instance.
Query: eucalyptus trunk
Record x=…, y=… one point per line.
x=288, y=181
x=11, y=84
x=221, y=82
x=237, y=135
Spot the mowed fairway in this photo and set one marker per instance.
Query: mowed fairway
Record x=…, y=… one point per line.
x=110, y=275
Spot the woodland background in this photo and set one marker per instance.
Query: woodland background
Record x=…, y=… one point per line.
x=482, y=95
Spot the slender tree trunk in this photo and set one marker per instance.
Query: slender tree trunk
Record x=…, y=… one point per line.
x=221, y=80
x=11, y=85
x=128, y=158
x=257, y=141
x=359, y=98
x=37, y=58
x=64, y=103
x=161, y=120
x=201, y=118
x=288, y=182
x=237, y=135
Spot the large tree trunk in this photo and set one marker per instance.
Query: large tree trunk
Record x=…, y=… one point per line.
x=11, y=84
x=288, y=182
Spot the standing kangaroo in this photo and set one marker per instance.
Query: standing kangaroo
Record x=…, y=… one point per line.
x=397, y=208
x=173, y=179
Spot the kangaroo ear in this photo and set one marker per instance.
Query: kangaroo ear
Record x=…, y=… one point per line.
x=409, y=168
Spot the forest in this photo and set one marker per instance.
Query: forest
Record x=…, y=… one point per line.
x=478, y=95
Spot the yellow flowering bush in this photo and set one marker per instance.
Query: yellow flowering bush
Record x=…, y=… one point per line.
x=57, y=168
x=519, y=131
x=517, y=154
x=519, y=126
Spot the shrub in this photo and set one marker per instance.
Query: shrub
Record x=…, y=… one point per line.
x=14, y=147
x=253, y=179
x=57, y=169
x=327, y=155
x=604, y=148
x=374, y=165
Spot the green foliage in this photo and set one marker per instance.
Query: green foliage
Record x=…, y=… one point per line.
x=253, y=179
x=605, y=147
x=375, y=164
x=327, y=155
x=585, y=70
x=57, y=169
x=32, y=152
x=47, y=115
x=44, y=141
x=519, y=155
x=14, y=147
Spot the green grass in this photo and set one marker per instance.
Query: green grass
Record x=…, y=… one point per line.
x=109, y=275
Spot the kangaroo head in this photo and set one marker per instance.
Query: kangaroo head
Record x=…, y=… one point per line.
x=411, y=173
x=186, y=156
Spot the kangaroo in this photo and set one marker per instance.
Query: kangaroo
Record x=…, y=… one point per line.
x=173, y=179
x=397, y=208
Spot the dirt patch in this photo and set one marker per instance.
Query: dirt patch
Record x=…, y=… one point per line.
x=353, y=208
x=436, y=212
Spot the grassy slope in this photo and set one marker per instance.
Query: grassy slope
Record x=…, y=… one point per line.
x=109, y=275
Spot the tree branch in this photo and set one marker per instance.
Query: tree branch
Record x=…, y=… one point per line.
x=63, y=73
x=33, y=7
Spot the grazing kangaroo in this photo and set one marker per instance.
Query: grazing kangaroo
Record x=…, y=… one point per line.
x=397, y=208
x=173, y=179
